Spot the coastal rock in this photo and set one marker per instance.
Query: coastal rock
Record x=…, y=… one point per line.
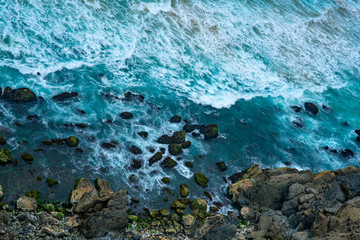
x=222, y=166
x=65, y=96
x=20, y=95
x=189, y=128
x=82, y=186
x=211, y=132
x=26, y=204
x=5, y=156
x=175, y=119
x=169, y=163
x=72, y=141
x=2, y=140
x=186, y=144
x=112, y=218
x=27, y=157
x=126, y=115
x=135, y=150
x=1, y=193
x=136, y=164
x=176, y=138
x=175, y=149
x=218, y=227
x=184, y=190
x=201, y=179
x=103, y=187
x=296, y=108
x=157, y=157
x=51, y=182
x=311, y=107
x=129, y=96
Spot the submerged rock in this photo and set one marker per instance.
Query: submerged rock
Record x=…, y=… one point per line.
x=65, y=96
x=129, y=96
x=5, y=156
x=186, y=144
x=189, y=164
x=2, y=140
x=201, y=180
x=296, y=108
x=51, y=182
x=143, y=134
x=312, y=108
x=347, y=153
x=27, y=157
x=165, y=180
x=136, y=164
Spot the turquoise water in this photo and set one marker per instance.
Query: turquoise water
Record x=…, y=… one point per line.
x=239, y=64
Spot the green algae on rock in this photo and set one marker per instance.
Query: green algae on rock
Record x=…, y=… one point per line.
x=51, y=182
x=201, y=179
x=5, y=155
x=27, y=157
x=72, y=141
x=184, y=190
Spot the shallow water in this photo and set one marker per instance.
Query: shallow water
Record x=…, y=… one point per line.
x=239, y=64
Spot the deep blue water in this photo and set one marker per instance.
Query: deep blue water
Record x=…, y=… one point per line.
x=239, y=64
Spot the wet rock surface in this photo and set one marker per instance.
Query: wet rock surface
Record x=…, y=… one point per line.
x=289, y=204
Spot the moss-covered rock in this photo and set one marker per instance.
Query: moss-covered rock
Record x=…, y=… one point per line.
x=165, y=180
x=184, y=190
x=2, y=140
x=133, y=218
x=211, y=132
x=153, y=214
x=222, y=166
x=5, y=155
x=177, y=204
x=200, y=204
x=164, y=212
x=177, y=138
x=201, y=180
x=59, y=215
x=51, y=182
x=157, y=157
x=186, y=144
x=27, y=157
x=33, y=194
x=49, y=207
x=175, y=149
x=169, y=163
x=135, y=150
x=21, y=95
x=72, y=141
x=208, y=195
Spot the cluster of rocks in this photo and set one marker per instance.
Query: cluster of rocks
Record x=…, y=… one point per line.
x=286, y=203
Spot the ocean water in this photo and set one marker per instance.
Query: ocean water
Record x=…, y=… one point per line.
x=239, y=64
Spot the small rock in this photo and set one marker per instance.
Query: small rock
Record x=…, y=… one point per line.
x=222, y=166
x=5, y=155
x=143, y=134
x=189, y=164
x=126, y=115
x=186, y=144
x=296, y=108
x=2, y=140
x=27, y=157
x=184, y=190
x=201, y=180
x=72, y=141
x=165, y=180
x=211, y=132
x=169, y=163
x=312, y=108
x=51, y=182
x=136, y=164
x=65, y=96
x=135, y=150
x=157, y=157
x=175, y=119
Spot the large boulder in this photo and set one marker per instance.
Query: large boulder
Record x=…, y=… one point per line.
x=20, y=95
x=218, y=227
x=176, y=138
x=26, y=204
x=111, y=218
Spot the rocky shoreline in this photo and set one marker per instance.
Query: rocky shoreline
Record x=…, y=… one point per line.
x=279, y=203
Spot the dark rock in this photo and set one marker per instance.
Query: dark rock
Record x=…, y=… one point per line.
x=169, y=163
x=165, y=180
x=345, y=124
x=189, y=164
x=208, y=195
x=136, y=164
x=312, y=108
x=296, y=108
x=47, y=143
x=152, y=150
x=196, y=134
x=236, y=176
x=177, y=137
x=175, y=149
x=2, y=140
x=32, y=117
x=72, y=141
x=298, y=123
x=162, y=150
x=129, y=96
x=211, y=132
x=287, y=163
x=143, y=134
x=108, y=145
x=112, y=218
x=20, y=95
x=27, y=157
x=81, y=125
x=175, y=119
x=51, y=182
x=186, y=144
x=65, y=96
x=347, y=153
x=126, y=115
x=157, y=157
x=80, y=111
x=218, y=227
x=201, y=179
x=189, y=128
x=358, y=139
x=327, y=108
x=222, y=166
x=135, y=150
x=357, y=131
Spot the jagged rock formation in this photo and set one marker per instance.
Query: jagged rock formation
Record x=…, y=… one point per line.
x=286, y=203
